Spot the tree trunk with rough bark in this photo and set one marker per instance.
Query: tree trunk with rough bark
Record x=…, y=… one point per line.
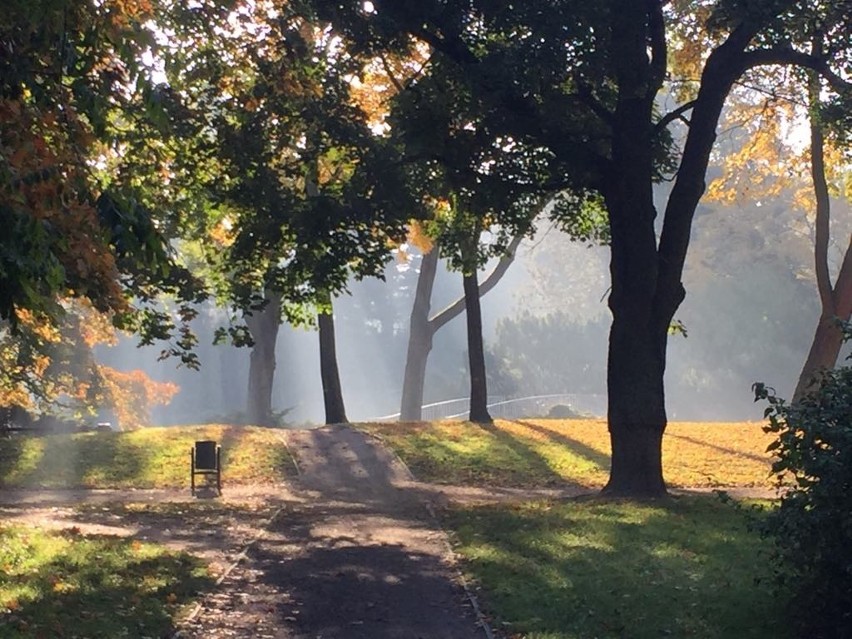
x=476, y=352
x=646, y=274
x=263, y=325
x=422, y=329
x=636, y=410
x=332, y=393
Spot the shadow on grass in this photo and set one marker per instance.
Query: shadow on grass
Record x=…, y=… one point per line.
x=684, y=567
x=722, y=449
x=98, y=586
x=147, y=458
x=73, y=460
x=535, y=465
x=599, y=459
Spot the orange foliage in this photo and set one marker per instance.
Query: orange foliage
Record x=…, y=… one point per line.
x=95, y=327
x=48, y=181
x=378, y=83
x=132, y=394
x=419, y=238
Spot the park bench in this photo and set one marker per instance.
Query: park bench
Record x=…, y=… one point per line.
x=206, y=460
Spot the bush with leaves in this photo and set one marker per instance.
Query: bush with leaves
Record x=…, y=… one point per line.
x=812, y=528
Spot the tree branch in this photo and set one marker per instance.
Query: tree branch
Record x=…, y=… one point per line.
x=585, y=96
x=455, y=50
x=788, y=55
x=396, y=83
x=671, y=116
x=453, y=310
x=822, y=231
x=659, y=48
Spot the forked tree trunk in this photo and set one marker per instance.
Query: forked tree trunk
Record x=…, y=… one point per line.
x=476, y=352
x=422, y=329
x=835, y=300
x=332, y=393
x=263, y=325
x=646, y=276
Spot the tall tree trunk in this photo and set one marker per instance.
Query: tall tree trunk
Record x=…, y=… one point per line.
x=636, y=408
x=637, y=343
x=835, y=300
x=420, y=335
x=476, y=352
x=636, y=360
x=263, y=325
x=332, y=394
x=422, y=329
x=646, y=278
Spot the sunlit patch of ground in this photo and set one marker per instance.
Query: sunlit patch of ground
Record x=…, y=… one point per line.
x=144, y=458
x=547, y=452
x=68, y=584
x=682, y=567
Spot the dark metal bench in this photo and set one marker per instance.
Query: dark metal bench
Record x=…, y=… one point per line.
x=206, y=460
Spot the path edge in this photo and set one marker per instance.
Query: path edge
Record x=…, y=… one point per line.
x=481, y=621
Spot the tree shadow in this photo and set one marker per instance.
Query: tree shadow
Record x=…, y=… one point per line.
x=680, y=567
x=536, y=462
x=343, y=464
x=346, y=586
x=100, y=587
x=599, y=459
x=723, y=449
x=195, y=526
x=71, y=461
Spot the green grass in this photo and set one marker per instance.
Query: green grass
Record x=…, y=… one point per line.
x=63, y=584
x=685, y=567
x=546, y=452
x=145, y=458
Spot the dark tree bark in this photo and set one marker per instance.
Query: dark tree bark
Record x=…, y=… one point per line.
x=332, y=393
x=835, y=300
x=263, y=325
x=476, y=352
x=647, y=284
x=646, y=277
x=422, y=329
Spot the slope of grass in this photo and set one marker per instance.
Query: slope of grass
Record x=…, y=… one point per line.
x=145, y=458
x=687, y=567
x=63, y=584
x=542, y=452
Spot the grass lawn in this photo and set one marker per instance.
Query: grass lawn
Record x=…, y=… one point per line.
x=63, y=584
x=544, y=452
x=145, y=458
x=684, y=567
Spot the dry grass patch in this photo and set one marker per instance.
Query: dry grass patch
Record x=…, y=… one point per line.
x=144, y=458
x=544, y=452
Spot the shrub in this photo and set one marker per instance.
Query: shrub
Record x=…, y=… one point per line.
x=812, y=528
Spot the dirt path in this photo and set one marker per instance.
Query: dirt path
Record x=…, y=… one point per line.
x=217, y=529
x=357, y=557
x=347, y=551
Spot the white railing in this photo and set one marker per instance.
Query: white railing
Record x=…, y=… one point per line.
x=520, y=407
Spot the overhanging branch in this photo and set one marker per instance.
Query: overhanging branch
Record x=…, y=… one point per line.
x=454, y=309
x=789, y=56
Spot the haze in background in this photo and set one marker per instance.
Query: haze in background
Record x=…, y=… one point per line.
x=749, y=315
